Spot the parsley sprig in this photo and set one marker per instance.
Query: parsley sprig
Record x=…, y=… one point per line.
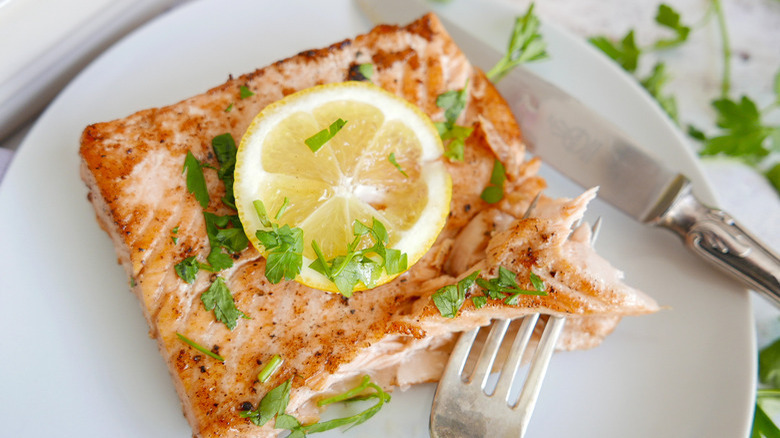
x=449, y=299
x=361, y=265
x=525, y=45
x=274, y=405
x=742, y=131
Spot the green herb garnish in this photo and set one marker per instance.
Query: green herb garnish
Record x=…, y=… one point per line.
x=494, y=192
x=196, y=182
x=394, y=162
x=219, y=299
x=364, y=265
x=229, y=108
x=200, y=348
x=225, y=149
x=174, y=232
x=274, y=404
x=188, y=269
x=367, y=70
x=283, y=245
x=224, y=232
x=318, y=140
x=270, y=368
x=525, y=45
x=454, y=136
x=245, y=92
x=450, y=299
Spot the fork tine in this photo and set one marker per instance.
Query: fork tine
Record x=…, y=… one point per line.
x=489, y=351
x=459, y=355
x=509, y=370
x=538, y=368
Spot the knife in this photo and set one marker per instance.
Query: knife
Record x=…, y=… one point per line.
x=593, y=152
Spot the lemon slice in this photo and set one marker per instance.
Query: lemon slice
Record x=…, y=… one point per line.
x=384, y=164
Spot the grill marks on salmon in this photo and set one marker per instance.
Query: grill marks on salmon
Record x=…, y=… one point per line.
x=133, y=169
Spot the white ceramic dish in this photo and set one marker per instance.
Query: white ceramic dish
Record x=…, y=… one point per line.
x=78, y=361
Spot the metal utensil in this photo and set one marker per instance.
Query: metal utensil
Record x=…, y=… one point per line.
x=462, y=406
x=592, y=152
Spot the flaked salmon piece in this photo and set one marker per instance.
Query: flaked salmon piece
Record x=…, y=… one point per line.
x=133, y=169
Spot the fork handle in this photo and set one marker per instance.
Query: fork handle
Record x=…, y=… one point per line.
x=715, y=236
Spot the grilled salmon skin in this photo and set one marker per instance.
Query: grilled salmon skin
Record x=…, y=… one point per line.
x=133, y=170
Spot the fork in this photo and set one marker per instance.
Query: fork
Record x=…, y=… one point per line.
x=462, y=407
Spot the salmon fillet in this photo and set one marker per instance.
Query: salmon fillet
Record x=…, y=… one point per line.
x=133, y=170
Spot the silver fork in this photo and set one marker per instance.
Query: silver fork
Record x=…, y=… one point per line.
x=463, y=407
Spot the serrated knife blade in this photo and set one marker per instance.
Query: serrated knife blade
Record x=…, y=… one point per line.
x=591, y=151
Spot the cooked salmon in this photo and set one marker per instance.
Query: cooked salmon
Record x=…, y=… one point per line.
x=394, y=333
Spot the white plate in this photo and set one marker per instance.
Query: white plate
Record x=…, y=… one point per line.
x=78, y=361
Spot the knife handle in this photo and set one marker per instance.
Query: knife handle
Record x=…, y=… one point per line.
x=718, y=238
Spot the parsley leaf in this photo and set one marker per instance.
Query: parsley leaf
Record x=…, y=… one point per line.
x=525, y=45
x=494, y=192
x=225, y=149
x=318, y=140
x=626, y=53
x=364, y=265
x=450, y=298
x=245, y=92
x=187, y=269
x=669, y=18
x=198, y=347
x=394, y=162
x=283, y=245
x=196, y=182
x=219, y=299
x=223, y=232
x=453, y=102
x=273, y=403
x=743, y=133
x=654, y=84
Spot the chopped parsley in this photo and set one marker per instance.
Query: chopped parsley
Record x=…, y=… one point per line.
x=174, y=232
x=525, y=45
x=449, y=299
x=244, y=92
x=364, y=265
x=229, y=108
x=225, y=149
x=219, y=299
x=367, y=70
x=198, y=347
x=224, y=232
x=196, y=182
x=274, y=404
x=318, y=140
x=188, y=269
x=453, y=102
x=394, y=162
x=494, y=192
x=270, y=368
x=283, y=245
